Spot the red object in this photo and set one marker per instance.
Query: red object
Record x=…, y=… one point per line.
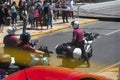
x=52, y=73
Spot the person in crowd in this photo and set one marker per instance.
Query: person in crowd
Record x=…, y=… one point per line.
x=39, y=5
x=70, y=4
x=31, y=15
x=27, y=3
x=7, y=11
x=14, y=13
x=54, y=11
x=20, y=5
x=24, y=16
x=36, y=16
x=46, y=13
x=2, y=19
x=43, y=13
x=64, y=12
x=57, y=6
x=24, y=44
x=10, y=40
x=78, y=39
x=50, y=15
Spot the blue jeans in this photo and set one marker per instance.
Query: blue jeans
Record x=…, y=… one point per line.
x=65, y=16
x=14, y=17
x=48, y=20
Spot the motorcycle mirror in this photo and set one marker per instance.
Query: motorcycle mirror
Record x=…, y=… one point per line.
x=96, y=35
x=34, y=42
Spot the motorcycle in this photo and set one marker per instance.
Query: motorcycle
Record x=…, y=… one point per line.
x=66, y=49
x=9, y=65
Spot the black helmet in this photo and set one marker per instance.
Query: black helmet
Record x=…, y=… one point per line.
x=25, y=37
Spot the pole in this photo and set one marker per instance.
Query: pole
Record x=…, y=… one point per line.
x=119, y=74
x=78, y=11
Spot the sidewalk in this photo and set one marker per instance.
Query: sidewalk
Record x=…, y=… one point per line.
x=58, y=25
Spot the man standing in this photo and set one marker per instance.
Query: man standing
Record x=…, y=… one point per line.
x=14, y=13
x=70, y=4
x=24, y=16
x=64, y=12
x=20, y=8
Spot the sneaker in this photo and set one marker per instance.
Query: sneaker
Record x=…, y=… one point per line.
x=67, y=21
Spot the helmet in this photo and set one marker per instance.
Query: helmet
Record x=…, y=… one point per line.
x=25, y=37
x=75, y=24
x=77, y=53
x=11, y=30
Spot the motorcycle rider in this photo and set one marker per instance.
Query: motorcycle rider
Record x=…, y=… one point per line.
x=78, y=39
x=10, y=40
x=24, y=44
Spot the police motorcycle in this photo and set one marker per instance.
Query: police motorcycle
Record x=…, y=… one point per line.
x=70, y=50
x=66, y=49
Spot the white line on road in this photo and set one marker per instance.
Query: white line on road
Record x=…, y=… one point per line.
x=112, y=32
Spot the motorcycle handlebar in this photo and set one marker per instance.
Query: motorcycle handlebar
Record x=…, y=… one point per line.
x=91, y=36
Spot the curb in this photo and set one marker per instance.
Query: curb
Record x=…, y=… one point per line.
x=56, y=29
x=50, y=31
x=59, y=28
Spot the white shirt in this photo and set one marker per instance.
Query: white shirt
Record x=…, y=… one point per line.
x=70, y=4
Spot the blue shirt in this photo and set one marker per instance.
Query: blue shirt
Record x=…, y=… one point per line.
x=13, y=9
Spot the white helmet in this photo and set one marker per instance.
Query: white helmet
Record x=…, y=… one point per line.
x=75, y=24
x=77, y=53
x=11, y=30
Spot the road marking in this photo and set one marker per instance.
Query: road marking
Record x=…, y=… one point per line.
x=105, y=69
x=112, y=32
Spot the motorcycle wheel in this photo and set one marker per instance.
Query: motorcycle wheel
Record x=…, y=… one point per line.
x=89, y=54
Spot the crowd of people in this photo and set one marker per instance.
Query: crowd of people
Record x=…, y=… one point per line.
x=35, y=12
